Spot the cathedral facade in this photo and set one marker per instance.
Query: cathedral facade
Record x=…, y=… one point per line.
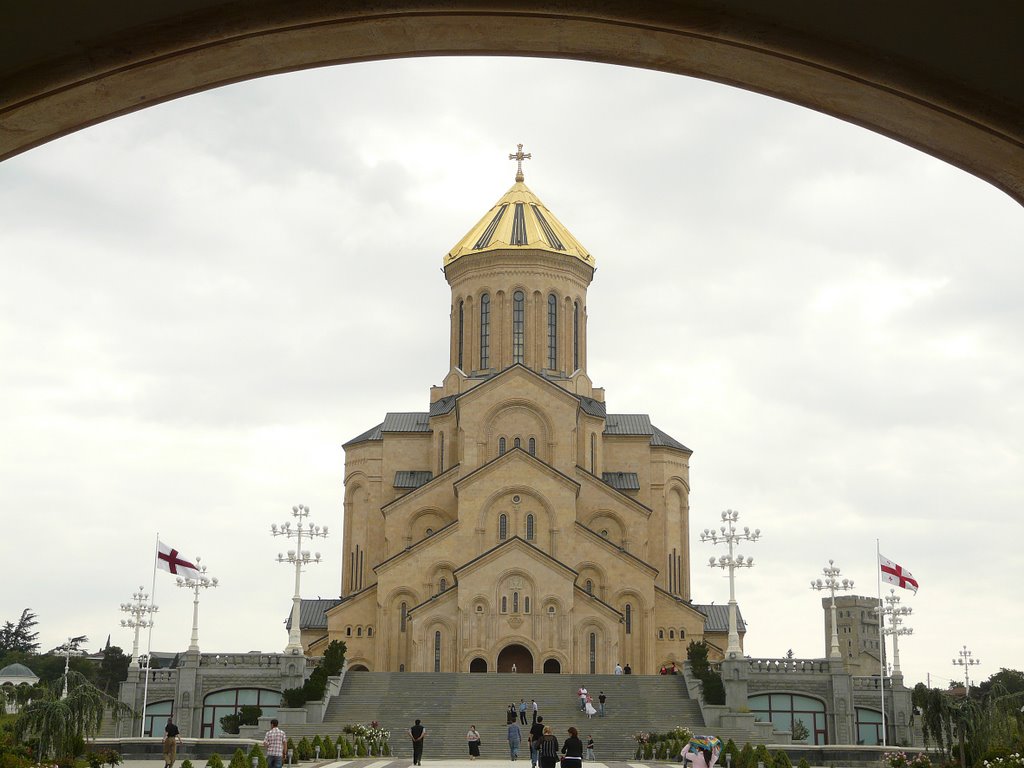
x=515, y=521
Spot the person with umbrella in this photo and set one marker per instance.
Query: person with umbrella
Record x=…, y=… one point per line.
x=702, y=751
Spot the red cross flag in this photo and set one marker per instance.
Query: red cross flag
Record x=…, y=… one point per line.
x=896, y=574
x=169, y=559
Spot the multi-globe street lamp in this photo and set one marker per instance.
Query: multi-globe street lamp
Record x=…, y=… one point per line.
x=728, y=534
x=833, y=584
x=69, y=649
x=966, y=662
x=140, y=617
x=196, y=583
x=298, y=557
x=896, y=613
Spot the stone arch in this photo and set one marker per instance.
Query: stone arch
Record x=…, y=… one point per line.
x=517, y=417
x=432, y=518
x=448, y=639
x=606, y=520
x=552, y=666
x=442, y=569
x=603, y=637
x=359, y=664
x=593, y=571
x=478, y=664
x=512, y=642
x=530, y=502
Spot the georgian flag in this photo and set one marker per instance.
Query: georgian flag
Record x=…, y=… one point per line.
x=171, y=560
x=896, y=574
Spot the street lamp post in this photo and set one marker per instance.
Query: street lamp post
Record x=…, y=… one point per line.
x=196, y=583
x=728, y=535
x=140, y=617
x=832, y=583
x=896, y=612
x=966, y=662
x=298, y=557
x=70, y=650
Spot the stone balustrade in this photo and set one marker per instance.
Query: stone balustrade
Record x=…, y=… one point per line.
x=791, y=666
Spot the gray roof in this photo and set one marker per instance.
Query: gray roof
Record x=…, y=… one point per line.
x=373, y=433
x=443, y=406
x=406, y=422
x=18, y=670
x=628, y=424
x=622, y=481
x=593, y=407
x=313, y=613
x=411, y=478
x=660, y=438
x=718, y=618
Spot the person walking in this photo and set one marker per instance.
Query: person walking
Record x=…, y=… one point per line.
x=274, y=744
x=582, y=693
x=533, y=703
x=172, y=740
x=473, y=738
x=601, y=698
x=589, y=708
x=510, y=715
x=515, y=737
x=627, y=670
x=572, y=750
x=590, y=747
x=522, y=711
x=618, y=668
x=417, y=733
x=535, y=736
x=548, y=749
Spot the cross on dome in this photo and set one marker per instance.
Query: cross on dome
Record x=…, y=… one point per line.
x=519, y=156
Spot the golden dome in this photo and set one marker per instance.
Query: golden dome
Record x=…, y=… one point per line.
x=519, y=220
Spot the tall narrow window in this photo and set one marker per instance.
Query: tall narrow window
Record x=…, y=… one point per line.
x=462, y=328
x=437, y=651
x=552, y=332
x=442, y=585
x=402, y=615
x=593, y=453
x=589, y=587
x=517, y=443
x=575, y=335
x=533, y=446
x=526, y=604
x=485, y=331
x=440, y=463
x=629, y=619
x=593, y=653
x=518, y=326
x=501, y=446
x=504, y=603
x=503, y=527
x=529, y=527
x=515, y=602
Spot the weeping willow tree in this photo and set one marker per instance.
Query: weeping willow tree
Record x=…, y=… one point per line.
x=971, y=729
x=61, y=723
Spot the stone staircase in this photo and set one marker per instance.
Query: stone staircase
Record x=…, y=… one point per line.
x=448, y=703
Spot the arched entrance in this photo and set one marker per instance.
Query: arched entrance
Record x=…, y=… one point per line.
x=478, y=665
x=358, y=668
x=519, y=655
x=552, y=667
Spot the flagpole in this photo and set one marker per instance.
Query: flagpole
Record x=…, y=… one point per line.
x=149, y=639
x=881, y=637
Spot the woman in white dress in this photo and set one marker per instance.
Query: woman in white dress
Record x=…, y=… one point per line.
x=589, y=708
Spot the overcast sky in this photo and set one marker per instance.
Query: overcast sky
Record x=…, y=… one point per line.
x=202, y=301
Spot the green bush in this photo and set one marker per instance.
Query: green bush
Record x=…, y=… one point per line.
x=305, y=749
x=238, y=759
x=346, y=747
x=746, y=759
x=257, y=752
x=215, y=761
x=360, y=747
x=803, y=763
x=334, y=658
x=187, y=764
x=730, y=748
x=317, y=742
x=294, y=697
x=762, y=755
x=782, y=759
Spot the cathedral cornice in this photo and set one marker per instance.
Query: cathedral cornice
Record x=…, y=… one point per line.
x=434, y=599
x=514, y=370
x=613, y=547
x=618, y=495
x=515, y=454
x=615, y=612
x=390, y=507
x=518, y=543
x=441, y=533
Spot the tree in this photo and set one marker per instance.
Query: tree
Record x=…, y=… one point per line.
x=113, y=669
x=74, y=644
x=20, y=637
x=1010, y=680
x=62, y=723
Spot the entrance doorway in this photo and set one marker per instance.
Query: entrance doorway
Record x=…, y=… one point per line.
x=517, y=655
x=478, y=665
x=552, y=667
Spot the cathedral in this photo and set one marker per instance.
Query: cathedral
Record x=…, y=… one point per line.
x=516, y=524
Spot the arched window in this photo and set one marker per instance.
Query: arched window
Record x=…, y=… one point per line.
x=517, y=443
x=661, y=634
x=440, y=463
x=403, y=613
x=589, y=587
x=515, y=602
x=552, y=332
x=529, y=528
x=462, y=328
x=526, y=604
x=227, y=702
x=783, y=709
x=442, y=585
x=629, y=619
x=359, y=631
x=504, y=603
x=369, y=631
x=503, y=527
x=682, y=633
x=533, y=446
x=501, y=446
x=437, y=651
x=671, y=634
x=575, y=335
x=593, y=653
x=348, y=631
x=485, y=331
x=518, y=326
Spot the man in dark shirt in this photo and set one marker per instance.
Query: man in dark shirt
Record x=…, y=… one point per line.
x=601, y=700
x=417, y=733
x=536, y=734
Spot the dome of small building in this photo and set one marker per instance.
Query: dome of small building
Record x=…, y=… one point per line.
x=12, y=671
